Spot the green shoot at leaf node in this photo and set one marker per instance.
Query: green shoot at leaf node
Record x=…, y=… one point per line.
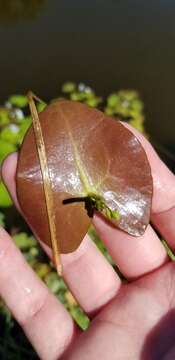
x=95, y=202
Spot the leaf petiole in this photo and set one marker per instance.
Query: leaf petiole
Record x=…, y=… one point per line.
x=168, y=250
x=47, y=184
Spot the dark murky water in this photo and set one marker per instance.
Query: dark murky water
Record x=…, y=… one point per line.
x=108, y=44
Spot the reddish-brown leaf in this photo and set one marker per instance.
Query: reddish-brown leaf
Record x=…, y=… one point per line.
x=87, y=153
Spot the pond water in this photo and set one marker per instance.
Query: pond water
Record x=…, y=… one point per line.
x=108, y=44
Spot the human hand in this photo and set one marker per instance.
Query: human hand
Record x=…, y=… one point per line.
x=130, y=321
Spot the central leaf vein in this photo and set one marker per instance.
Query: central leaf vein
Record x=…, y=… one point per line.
x=82, y=172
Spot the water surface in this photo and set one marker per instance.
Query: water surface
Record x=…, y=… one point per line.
x=108, y=44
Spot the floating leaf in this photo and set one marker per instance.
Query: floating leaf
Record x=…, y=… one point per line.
x=112, y=100
x=42, y=269
x=91, y=157
x=5, y=149
x=2, y=219
x=24, y=241
x=54, y=283
x=68, y=87
x=5, y=199
x=4, y=116
x=41, y=106
x=18, y=100
x=24, y=127
x=10, y=134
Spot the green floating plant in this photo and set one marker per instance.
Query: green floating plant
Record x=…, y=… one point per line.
x=82, y=93
x=127, y=105
x=24, y=241
x=4, y=116
x=13, y=126
x=5, y=149
x=69, y=87
x=19, y=101
x=2, y=219
x=5, y=199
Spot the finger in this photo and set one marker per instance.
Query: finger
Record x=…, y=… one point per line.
x=45, y=321
x=134, y=256
x=91, y=279
x=84, y=273
x=8, y=172
x=165, y=224
x=163, y=207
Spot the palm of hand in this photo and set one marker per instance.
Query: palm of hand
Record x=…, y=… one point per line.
x=138, y=323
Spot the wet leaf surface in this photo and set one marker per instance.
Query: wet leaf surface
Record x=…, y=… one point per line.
x=89, y=155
